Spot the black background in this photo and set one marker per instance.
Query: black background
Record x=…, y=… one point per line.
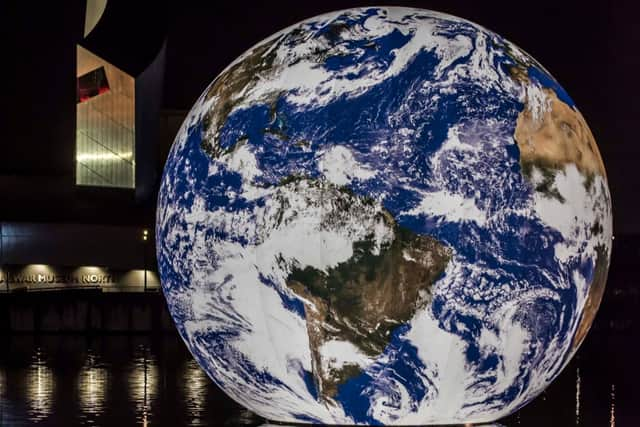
x=591, y=48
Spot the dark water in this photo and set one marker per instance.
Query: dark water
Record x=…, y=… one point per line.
x=110, y=380
x=151, y=380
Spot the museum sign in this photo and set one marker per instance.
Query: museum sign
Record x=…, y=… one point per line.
x=41, y=277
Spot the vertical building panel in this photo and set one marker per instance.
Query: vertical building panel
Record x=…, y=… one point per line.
x=105, y=129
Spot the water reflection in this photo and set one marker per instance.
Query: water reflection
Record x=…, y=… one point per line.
x=196, y=383
x=578, y=395
x=244, y=417
x=143, y=383
x=40, y=385
x=612, y=418
x=268, y=424
x=138, y=380
x=92, y=386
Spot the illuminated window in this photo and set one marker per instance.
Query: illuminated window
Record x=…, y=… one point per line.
x=105, y=127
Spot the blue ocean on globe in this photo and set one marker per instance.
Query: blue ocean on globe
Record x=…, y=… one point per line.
x=384, y=216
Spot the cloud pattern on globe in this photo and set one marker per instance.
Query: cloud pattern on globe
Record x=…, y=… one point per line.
x=384, y=216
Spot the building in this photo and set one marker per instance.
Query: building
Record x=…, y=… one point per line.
x=50, y=257
x=79, y=180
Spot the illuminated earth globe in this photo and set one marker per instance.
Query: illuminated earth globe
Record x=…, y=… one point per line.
x=384, y=216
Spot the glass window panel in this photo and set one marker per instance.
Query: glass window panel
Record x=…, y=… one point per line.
x=105, y=134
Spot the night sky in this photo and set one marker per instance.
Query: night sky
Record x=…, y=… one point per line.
x=592, y=49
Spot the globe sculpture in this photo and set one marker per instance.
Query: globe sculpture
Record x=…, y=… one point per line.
x=384, y=216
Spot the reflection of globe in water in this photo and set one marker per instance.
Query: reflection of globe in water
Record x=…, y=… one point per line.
x=385, y=216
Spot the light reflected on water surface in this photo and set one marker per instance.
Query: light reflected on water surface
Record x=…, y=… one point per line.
x=140, y=380
x=92, y=387
x=143, y=383
x=612, y=417
x=196, y=384
x=40, y=383
x=578, y=396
